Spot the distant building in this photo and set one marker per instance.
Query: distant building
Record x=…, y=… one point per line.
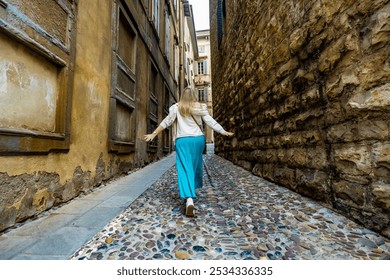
x=203, y=75
x=190, y=46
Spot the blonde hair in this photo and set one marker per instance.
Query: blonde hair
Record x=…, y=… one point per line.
x=187, y=101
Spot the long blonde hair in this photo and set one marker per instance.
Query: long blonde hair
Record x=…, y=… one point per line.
x=187, y=101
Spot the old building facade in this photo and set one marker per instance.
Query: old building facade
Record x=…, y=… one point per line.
x=305, y=86
x=203, y=76
x=81, y=82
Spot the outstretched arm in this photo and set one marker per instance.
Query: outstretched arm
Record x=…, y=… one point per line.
x=164, y=124
x=209, y=120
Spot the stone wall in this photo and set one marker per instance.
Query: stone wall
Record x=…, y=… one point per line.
x=305, y=86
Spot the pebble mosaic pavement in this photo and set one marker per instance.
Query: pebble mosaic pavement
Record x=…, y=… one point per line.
x=238, y=216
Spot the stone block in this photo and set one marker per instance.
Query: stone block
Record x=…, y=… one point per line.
x=372, y=130
x=344, y=132
x=285, y=176
x=288, y=140
x=381, y=158
x=311, y=137
x=349, y=193
x=332, y=9
x=331, y=55
x=298, y=38
x=310, y=97
x=381, y=195
x=247, y=165
x=373, y=73
x=269, y=171
x=353, y=159
x=297, y=157
x=317, y=158
x=334, y=113
x=377, y=98
x=381, y=30
x=313, y=183
x=258, y=170
x=333, y=86
x=288, y=68
x=264, y=156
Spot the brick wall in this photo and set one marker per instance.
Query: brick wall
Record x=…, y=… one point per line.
x=305, y=86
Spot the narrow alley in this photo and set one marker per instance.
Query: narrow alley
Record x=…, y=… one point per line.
x=291, y=97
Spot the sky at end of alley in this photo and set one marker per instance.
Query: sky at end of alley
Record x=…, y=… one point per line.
x=201, y=14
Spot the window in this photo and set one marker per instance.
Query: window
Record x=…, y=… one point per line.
x=203, y=94
x=36, y=73
x=153, y=105
x=202, y=67
x=167, y=32
x=156, y=14
x=122, y=100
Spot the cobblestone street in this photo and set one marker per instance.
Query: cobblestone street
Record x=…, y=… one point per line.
x=239, y=216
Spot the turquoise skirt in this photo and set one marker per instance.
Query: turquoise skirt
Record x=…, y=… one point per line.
x=189, y=164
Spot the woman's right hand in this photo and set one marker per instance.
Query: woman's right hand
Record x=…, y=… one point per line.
x=149, y=137
x=227, y=133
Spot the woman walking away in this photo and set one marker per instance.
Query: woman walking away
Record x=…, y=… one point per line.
x=190, y=142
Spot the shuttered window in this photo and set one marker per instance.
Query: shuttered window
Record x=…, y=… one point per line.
x=153, y=105
x=202, y=68
x=167, y=33
x=203, y=94
x=122, y=126
x=156, y=14
x=37, y=51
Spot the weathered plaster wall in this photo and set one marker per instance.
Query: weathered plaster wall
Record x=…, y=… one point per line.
x=28, y=88
x=305, y=85
x=32, y=184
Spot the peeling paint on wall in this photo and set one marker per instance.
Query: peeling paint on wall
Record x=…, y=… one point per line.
x=28, y=88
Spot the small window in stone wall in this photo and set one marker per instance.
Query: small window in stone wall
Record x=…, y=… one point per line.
x=122, y=126
x=37, y=51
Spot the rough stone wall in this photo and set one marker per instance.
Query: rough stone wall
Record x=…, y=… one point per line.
x=305, y=86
